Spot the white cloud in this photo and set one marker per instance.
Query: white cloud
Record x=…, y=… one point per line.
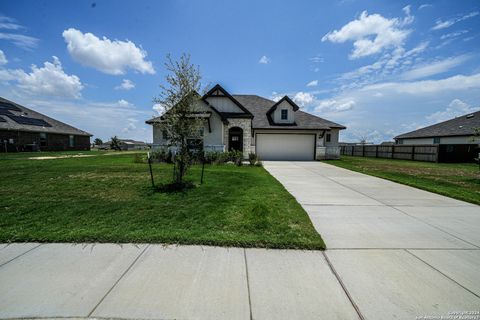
x=386, y=33
x=158, y=108
x=125, y=85
x=434, y=68
x=440, y=24
x=425, y=6
x=312, y=83
x=20, y=40
x=123, y=103
x=9, y=23
x=456, y=108
x=49, y=80
x=264, y=60
x=3, y=58
x=111, y=57
x=334, y=105
x=303, y=98
x=454, y=83
x=317, y=59
x=453, y=34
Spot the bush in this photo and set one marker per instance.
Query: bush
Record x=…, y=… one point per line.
x=252, y=158
x=161, y=156
x=139, y=158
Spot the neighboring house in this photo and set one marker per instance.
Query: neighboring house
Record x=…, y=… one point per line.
x=455, y=138
x=458, y=130
x=252, y=124
x=22, y=129
x=126, y=145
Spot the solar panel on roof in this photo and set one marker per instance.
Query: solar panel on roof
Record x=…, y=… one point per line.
x=2, y=120
x=9, y=106
x=30, y=121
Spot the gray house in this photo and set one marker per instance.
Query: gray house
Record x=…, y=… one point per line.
x=252, y=124
x=458, y=130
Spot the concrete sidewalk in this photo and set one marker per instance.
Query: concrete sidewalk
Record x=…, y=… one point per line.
x=394, y=252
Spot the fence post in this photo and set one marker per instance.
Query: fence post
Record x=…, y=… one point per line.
x=353, y=149
x=413, y=152
x=393, y=151
x=376, y=151
x=363, y=150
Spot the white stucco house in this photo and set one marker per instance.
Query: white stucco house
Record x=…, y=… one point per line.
x=253, y=124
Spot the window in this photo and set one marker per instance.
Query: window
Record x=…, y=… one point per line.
x=164, y=134
x=328, y=138
x=284, y=115
x=195, y=144
x=436, y=140
x=71, y=141
x=43, y=139
x=235, y=138
x=400, y=141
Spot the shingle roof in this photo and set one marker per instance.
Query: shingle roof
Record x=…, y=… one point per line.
x=259, y=107
x=460, y=126
x=19, y=118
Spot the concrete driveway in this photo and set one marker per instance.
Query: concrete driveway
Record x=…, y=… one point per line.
x=398, y=251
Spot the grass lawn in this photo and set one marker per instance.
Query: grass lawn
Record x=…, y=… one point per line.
x=456, y=180
x=108, y=198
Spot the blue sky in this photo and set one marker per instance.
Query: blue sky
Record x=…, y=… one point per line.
x=380, y=68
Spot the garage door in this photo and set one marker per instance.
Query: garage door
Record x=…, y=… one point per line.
x=285, y=146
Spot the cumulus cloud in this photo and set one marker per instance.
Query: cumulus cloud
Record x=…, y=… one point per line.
x=264, y=60
x=334, y=105
x=108, y=56
x=443, y=24
x=303, y=98
x=125, y=85
x=312, y=83
x=3, y=58
x=158, y=108
x=434, y=68
x=49, y=80
x=456, y=108
x=372, y=34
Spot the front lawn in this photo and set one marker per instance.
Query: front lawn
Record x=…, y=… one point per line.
x=456, y=180
x=108, y=198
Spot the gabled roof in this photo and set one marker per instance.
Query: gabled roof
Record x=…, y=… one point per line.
x=19, y=118
x=214, y=92
x=259, y=107
x=460, y=126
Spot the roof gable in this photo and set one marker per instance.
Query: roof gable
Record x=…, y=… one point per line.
x=219, y=91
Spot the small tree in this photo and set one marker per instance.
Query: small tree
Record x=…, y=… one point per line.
x=179, y=100
x=115, y=143
x=97, y=141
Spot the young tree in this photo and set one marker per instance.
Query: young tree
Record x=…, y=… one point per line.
x=115, y=143
x=97, y=141
x=179, y=99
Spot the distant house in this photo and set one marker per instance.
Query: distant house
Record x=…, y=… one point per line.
x=126, y=145
x=455, y=137
x=458, y=130
x=23, y=129
x=252, y=124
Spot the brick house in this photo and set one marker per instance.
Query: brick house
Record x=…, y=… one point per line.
x=23, y=129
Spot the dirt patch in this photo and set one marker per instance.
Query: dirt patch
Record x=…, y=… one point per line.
x=61, y=157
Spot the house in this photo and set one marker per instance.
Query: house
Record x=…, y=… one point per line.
x=253, y=124
x=126, y=145
x=23, y=129
x=455, y=138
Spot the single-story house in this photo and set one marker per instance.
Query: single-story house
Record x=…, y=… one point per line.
x=455, y=138
x=23, y=129
x=253, y=124
x=126, y=145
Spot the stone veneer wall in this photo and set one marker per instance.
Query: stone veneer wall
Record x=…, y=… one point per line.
x=246, y=125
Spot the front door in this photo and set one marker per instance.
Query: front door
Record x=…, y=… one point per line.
x=235, y=139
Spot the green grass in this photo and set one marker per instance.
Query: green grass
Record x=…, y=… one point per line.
x=457, y=180
x=108, y=198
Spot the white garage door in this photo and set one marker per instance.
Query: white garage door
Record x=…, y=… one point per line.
x=285, y=146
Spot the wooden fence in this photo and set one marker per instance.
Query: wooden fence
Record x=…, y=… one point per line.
x=426, y=152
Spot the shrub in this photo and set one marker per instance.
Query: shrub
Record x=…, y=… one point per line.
x=139, y=158
x=252, y=158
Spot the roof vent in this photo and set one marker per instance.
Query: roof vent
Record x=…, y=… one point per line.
x=471, y=115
